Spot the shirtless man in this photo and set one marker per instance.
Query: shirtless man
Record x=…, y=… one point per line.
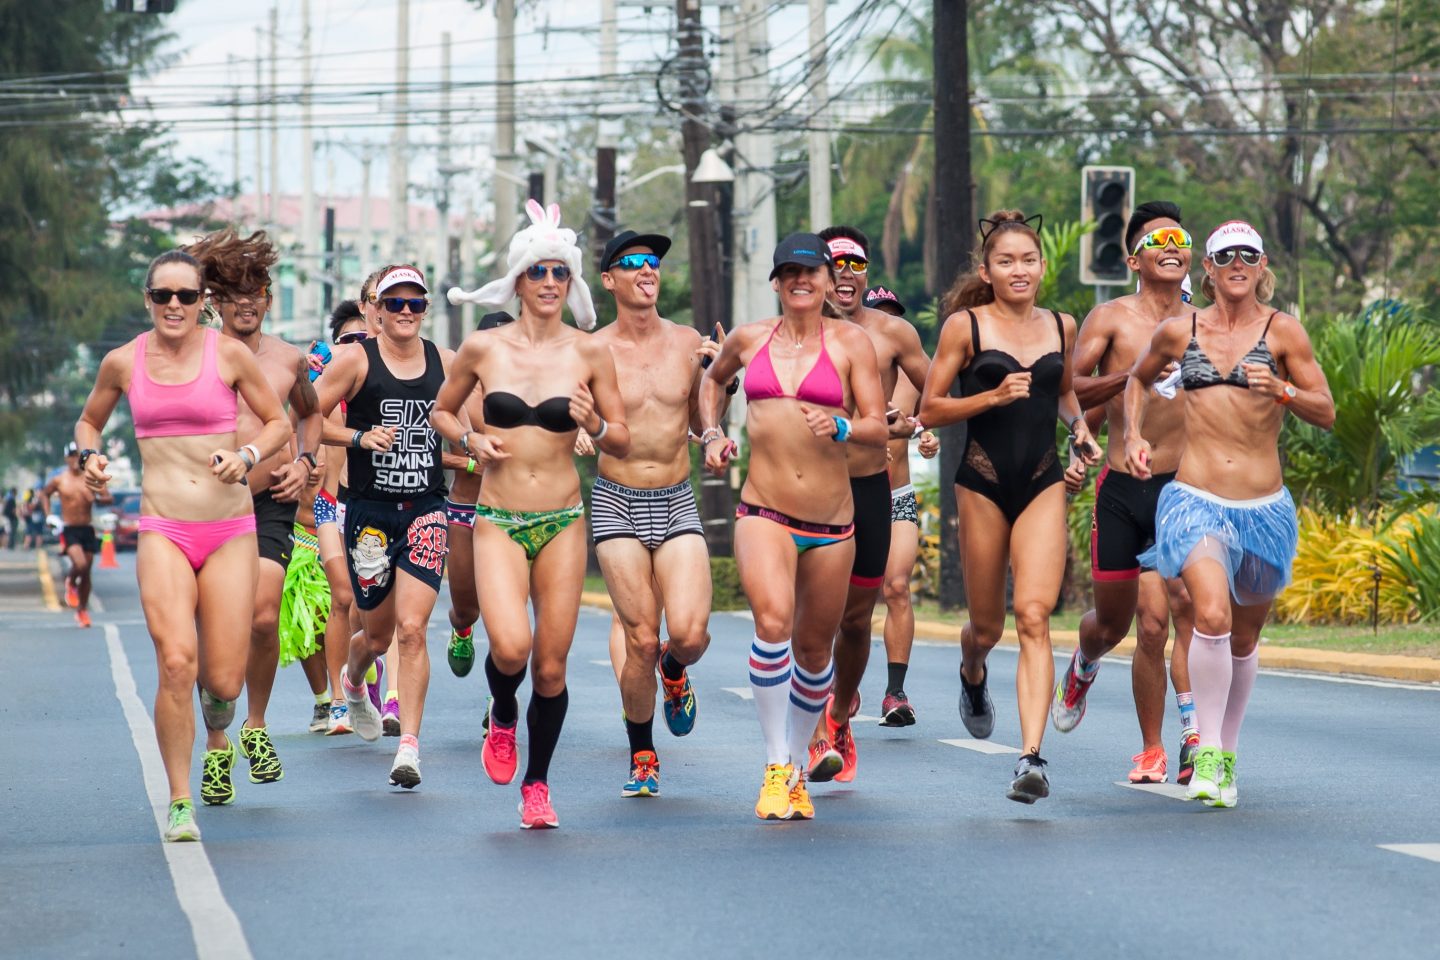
x=1114, y=336
x=648, y=535
x=78, y=537
x=237, y=274
x=897, y=348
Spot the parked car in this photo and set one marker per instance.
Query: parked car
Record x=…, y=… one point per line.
x=121, y=519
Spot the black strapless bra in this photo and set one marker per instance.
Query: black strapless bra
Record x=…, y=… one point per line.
x=505, y=411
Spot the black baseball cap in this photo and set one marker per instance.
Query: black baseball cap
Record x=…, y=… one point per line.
x=492, y=320
x=629, y=238
x=876, y=296
x=803, y=249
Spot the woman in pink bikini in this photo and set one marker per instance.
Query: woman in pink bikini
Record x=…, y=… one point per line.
x=196, y=562
x=812, y=384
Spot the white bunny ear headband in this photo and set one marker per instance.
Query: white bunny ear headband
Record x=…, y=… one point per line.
x=544, y=239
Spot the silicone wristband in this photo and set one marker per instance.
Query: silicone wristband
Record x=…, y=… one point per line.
x=842, y=429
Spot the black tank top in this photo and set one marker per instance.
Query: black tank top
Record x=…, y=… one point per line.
x=411, y=467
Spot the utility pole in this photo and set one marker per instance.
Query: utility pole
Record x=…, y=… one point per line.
x=706, y=303
x=506, y=177
x=399, y=171
x=259, y=213
x=275, y=203
x=310, y=263
x=608, y=134
x=955, y=224
x=820, y=133
x=754, y=179
x=444, y=275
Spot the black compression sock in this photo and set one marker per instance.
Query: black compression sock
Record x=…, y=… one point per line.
x=897, y=676
x=671, y=668
x=506, y=709
x=544, y=719
x=641, y=735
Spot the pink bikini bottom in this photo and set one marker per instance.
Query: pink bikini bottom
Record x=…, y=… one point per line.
x=197, y=539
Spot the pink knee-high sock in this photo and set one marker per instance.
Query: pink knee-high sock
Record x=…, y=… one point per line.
x=1242, y=681
x=1210, y=673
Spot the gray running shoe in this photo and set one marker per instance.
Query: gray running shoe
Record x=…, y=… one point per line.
x=218, y=714
x=320, y=718
x=1030, y=783
x=977, y=710
x=406, y=771
x=182, y=826
x=364, y=718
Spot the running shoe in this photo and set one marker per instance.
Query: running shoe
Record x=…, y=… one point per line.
x=825, y=760
x=679, y=700
x=82, y=618
x=1228, y=795
x=406, y=770
x=535, y=808
x=485, y=721
x=375, y=687
x=844, y=741
x=644, y=776
x=216, y=785
x=339, y=720
x=320, y=718
x=390, y=717
x=1209, y=771
x=72, y=596
x=497, y=755
x=896, y=710
x=1030, y=783
x=182, y=826
x=1150, y=766
x=1068, y=707
x=218, y=714
x=801, y=807
x=461, y=653
x=977, y=710
x=256, y=746
x=1189, y=743
x=774, y=802
x=364, y=717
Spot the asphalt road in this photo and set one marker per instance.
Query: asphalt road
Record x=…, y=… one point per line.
x=922, y=855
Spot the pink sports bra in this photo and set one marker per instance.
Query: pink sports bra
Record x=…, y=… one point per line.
x=821, y=385
x=204, y=406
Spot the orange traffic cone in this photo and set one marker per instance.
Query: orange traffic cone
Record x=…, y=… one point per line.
x=107, y=553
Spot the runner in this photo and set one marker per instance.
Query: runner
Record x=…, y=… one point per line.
x=1226, y=525
x=813, y=385
x=897, y=350
x=78, y=540
x=196, y=559
x=36, y=509
x=305, y=603
x=11, y=511
x=395, y=536
x=896, y=710
x=1113, y=336
x=648, y=535
x=237, y=273
x=1009, y=494
x=541, y=381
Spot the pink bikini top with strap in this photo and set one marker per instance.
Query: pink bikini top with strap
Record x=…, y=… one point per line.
x=201, y=407
x=821, y=385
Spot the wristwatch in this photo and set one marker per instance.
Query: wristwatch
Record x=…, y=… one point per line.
x=1286, y=395
x=309, y=459
x=86, y=455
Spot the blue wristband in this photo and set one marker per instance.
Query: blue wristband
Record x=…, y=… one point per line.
x=842, y=429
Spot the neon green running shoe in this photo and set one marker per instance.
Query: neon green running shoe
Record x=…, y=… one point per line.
x=182, y=826
x=461, y=652
x=216, y=787
x=1227, y=796
x=1209, y=770
x=257, y=747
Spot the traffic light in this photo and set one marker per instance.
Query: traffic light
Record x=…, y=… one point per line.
x=1107, y=195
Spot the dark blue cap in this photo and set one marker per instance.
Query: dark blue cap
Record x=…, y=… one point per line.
x=803, y=249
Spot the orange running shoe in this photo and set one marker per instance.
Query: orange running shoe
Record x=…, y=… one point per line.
x=72, y=596
x=774, y=802
x=800, y=806
x=825, y=760
x=82, y=617
x=1149, y=766
x=844, y=740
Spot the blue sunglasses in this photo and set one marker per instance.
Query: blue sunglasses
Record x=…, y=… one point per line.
x=634, y=261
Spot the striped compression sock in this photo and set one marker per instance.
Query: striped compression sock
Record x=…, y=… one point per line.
x=770, y=684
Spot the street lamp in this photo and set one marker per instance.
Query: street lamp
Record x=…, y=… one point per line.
x=712, y=168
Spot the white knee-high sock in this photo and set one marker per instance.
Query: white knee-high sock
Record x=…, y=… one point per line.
x=770, y=684
x=1242, y=681
x=1210, y=673
x=808, y=693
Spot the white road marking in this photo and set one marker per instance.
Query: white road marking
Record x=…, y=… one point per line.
x=981, y=746
x=744, y=693
x=1425, y=851
x=213, y=924
x=601, y=663
x=1174, y=791
x=865, y=718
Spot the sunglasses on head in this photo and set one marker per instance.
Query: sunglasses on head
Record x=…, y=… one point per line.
x=537, y=271
x=352, y=336
x=634, y=261
x=855, y=265
x=1223, y=258
x=230, y=296
x=160, y=296
x=417, y=305
x=1160, y=238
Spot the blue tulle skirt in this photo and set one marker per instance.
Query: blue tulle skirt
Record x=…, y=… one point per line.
x=1254, y=540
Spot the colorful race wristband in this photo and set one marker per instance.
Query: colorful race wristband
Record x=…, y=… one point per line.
x=470, y=465
x=842, y=429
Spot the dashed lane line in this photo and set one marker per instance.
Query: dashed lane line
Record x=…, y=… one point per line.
x=981, y=746
x=214, y=926
x=744, y=693
x=1174, y=791
x=1425, y=851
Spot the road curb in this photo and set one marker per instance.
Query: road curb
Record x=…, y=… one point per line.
x=1383, y=666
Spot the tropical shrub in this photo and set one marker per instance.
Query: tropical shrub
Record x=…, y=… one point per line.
x=1418, y=558
x=1337, y=562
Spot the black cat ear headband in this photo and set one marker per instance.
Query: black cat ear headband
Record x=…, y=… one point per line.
x=993, y=225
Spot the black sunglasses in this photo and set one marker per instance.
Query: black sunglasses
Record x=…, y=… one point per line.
x=352, y=336
x=537, y=271
x=1223, y=258
x=417, y=305
x=161, y=296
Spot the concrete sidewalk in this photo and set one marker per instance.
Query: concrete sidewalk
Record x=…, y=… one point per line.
x=27, y=581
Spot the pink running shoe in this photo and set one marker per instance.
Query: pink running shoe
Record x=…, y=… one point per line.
x=497, y=755
x=535, y=809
